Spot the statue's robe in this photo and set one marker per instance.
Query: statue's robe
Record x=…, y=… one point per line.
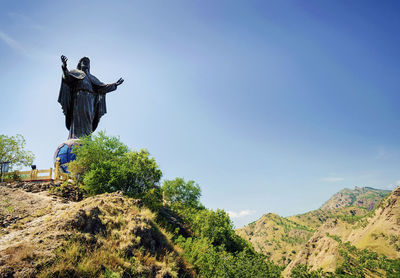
x=82, y=98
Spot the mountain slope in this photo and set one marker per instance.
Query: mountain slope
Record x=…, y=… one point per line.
x=378, y=232
x=282, y=238
x=278, y=238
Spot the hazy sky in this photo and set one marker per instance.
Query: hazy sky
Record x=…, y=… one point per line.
x=271, y=106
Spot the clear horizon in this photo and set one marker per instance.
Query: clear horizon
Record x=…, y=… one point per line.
x=269, y=106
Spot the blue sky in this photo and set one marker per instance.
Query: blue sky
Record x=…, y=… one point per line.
x=271, y=106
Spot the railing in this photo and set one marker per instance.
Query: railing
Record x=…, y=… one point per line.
x=37, y=175
x=32, y=175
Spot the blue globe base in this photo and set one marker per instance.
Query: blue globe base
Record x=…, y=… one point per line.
x=64, y=153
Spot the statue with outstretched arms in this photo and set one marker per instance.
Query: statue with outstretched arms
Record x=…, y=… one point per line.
x=83, y=98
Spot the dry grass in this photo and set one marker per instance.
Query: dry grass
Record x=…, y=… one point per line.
x=20, y=252
x=115, y=236
x=132, y=244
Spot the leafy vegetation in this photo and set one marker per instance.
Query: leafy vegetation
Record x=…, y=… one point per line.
x=181, y=194
x=104, y=164
x=214, y=249
x=361, y=263
x=12, y=149
x=304, y=271
x=214, y=261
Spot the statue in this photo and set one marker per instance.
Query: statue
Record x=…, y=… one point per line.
x=83, y=98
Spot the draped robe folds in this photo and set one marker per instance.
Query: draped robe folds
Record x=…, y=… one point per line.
x=82, y=98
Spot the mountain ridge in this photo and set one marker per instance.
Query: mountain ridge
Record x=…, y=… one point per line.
x=365, y=197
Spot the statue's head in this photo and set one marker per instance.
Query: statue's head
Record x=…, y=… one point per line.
x=84, y=64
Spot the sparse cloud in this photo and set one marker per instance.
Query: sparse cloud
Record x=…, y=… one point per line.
x=24, y=24
x=25, y=20
x=332, y=179
x=14, y=44
x=240, y=214
x=26, y=51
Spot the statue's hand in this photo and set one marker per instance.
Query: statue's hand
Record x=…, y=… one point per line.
x=64, y=61
x=119, y=82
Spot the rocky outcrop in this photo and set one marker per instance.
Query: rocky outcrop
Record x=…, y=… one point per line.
x=365, y=197
x=43, y=234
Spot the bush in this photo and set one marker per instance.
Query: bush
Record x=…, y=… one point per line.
x=212, y=261
x=214, y=225
x=304, y=271
x=182, y=194
x=104, y=164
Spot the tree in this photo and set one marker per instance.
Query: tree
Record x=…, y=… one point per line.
x=105, y=164
x=304, y=271
x=12, y=150
x=182, y=194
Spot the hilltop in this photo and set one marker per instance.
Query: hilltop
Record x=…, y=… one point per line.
x=44, y=235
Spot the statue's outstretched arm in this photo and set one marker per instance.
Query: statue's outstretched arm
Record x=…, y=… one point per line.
x=119, y=82
x=64, y=67
x=106, y=88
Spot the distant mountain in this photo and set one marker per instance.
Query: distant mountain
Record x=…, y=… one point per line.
x=365, y=197
x=280, y=239
x=366, y=244
x=293, y=241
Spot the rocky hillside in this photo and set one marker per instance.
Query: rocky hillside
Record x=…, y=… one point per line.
x=365, y=197
x=108, y=235
x=280, y=239
x=314, y=219
x=284, y=239
x=338, y=242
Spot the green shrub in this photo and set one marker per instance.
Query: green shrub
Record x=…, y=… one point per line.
x=304, y=271
x=153, y=199
x=181, y=194
x=360, y=262
x=214, y=225
x=212, y=261
x=105, y=164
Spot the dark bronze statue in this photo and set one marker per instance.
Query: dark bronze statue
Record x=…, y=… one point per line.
x=83, y=98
